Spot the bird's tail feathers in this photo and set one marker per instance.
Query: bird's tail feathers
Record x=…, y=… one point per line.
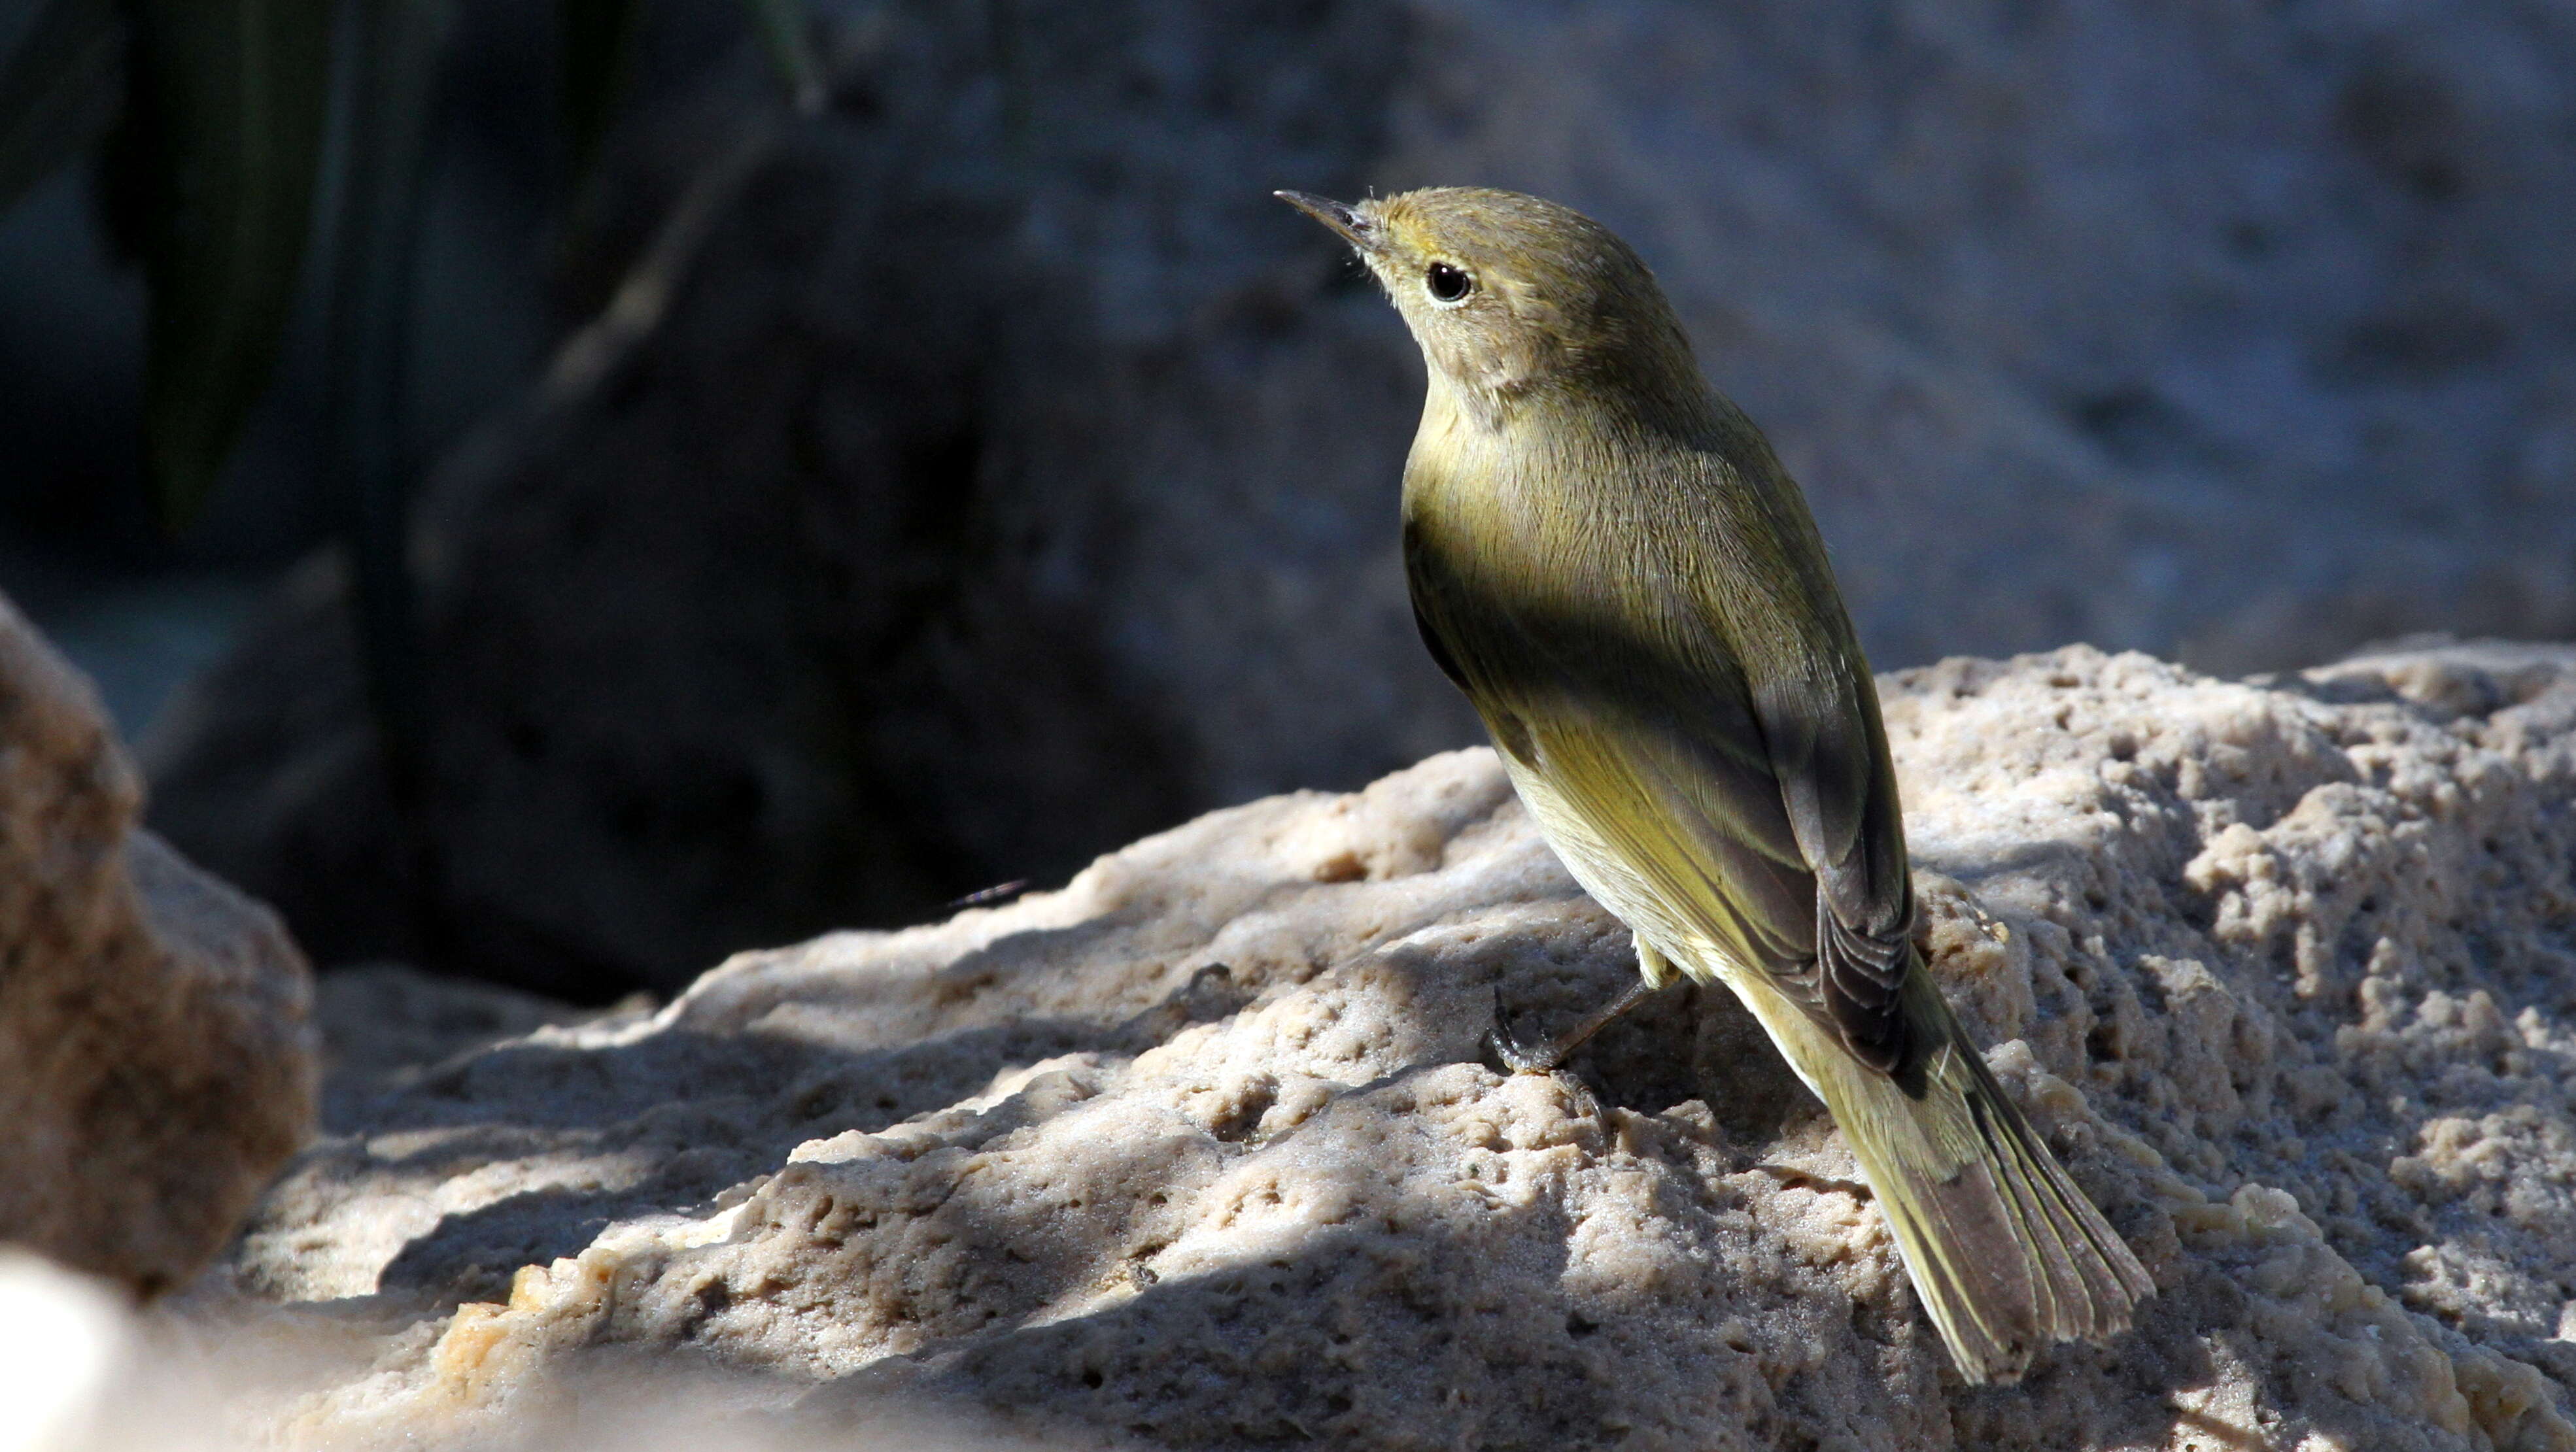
x=2005, y=1252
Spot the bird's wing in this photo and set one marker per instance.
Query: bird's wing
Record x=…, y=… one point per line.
x=1651, y=740
x=1828, y=751
x=1754, y=799
x=1699, y=827
x=1770, y=824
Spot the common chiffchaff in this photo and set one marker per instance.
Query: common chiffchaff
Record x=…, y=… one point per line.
x=1606, y=556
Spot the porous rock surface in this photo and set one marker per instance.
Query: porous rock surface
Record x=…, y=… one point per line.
x=156, y=1065
x=1008, y=475
x=1203, y=1150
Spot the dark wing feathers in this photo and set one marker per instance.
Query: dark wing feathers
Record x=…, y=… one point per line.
x=1859, y=978
x=1829, y=754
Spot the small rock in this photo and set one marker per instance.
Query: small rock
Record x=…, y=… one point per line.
x=156, y=1062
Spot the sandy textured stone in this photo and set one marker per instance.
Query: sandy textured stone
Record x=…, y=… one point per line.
x=385, y=1026
x=1203, y=1149
x=155, y=1061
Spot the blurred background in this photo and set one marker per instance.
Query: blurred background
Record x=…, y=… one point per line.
x=827, y=473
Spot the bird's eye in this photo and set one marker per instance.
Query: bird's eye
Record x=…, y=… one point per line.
x=1446, y=283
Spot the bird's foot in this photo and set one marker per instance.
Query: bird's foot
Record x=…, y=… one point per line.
x=1516, y=1056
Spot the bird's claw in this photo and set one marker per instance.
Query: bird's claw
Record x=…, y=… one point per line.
x=1508, y=1049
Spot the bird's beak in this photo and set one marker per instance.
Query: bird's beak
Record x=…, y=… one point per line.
x=1361, y=232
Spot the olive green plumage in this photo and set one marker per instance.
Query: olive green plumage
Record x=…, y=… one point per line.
x=1608, y=559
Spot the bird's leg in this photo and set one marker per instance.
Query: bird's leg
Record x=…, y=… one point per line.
x=1548, y=1055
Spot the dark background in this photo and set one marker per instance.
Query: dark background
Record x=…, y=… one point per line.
x=1008, y=476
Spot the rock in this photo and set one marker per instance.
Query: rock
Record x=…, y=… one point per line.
x=1005, y=474
x=155, y=1061
x=1204, y=1150
x=386, y=1025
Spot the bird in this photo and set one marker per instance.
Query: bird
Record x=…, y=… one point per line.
x=1607, y=557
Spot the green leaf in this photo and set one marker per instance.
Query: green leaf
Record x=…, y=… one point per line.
x=231, y=96
x=60, y=91
x=784, y=31
x=396, y=55
x=597, y=39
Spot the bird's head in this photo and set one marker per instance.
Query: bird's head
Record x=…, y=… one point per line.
x=1515, y=299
